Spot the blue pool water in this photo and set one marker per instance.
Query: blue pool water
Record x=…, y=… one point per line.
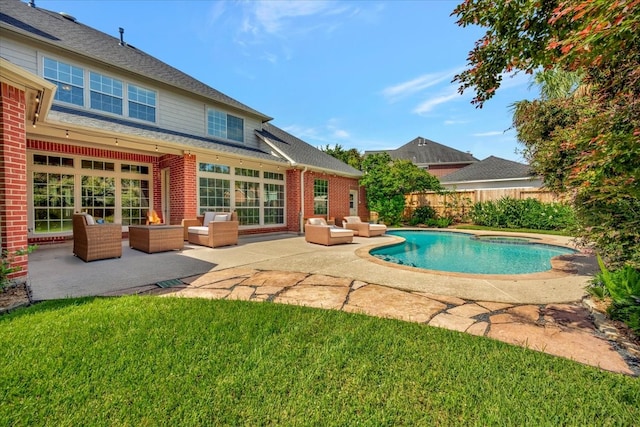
x=462, y=253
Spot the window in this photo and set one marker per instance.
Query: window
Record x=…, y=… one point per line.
x=111, y=190
x=53, y=202
x=142, y=103
x=320, y=197
x=135, y=201
x=247, y=196
x=99, y=197
x=68, y=78
x=256, y=200
x=215, y=194
x=225, y=125
x=106, y=93
x=273, y=203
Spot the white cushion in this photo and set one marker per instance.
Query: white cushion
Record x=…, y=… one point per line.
x=317, y=221
x=208, y=217
x=338, y=232
x=221, y=218
x=89, y=219
x=199, y=230
x=352, y=219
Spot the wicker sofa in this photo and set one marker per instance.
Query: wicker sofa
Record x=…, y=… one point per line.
x=212, y=229
x=363, y=229
x=93, y=241
x=317, y=230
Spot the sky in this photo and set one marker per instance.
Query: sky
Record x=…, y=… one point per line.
x=370, y=75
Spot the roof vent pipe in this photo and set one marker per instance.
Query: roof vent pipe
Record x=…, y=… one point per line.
x=122, y=43
x=32, y=3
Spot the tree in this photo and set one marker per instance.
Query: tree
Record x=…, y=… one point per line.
x=586, y=143
x=387, y=181
x=352, y=157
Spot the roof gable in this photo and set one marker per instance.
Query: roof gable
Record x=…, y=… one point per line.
x=68, y=34
x=489, y=169
x=303, y=153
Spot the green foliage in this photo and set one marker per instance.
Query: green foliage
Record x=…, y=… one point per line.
x=584, y=139
x=422, y=215
x=7, y=267
x=623, y=287
x=528, y=213
x=428, y=216
x=352, y=157
x=387, y=181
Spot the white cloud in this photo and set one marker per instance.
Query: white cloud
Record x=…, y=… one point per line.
x=428, y=105
x=490, y=133
x=451, y=122
x=418, y=84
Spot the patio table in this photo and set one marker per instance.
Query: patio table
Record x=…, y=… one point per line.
x=156, y=238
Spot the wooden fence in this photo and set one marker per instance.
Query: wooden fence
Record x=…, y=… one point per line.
x=456, y=204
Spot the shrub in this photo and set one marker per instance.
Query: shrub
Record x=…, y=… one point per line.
x=422, y=215
x=528, y=213
x=623, y=287
x=6, y=268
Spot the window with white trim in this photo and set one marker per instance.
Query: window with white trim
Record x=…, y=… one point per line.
x=320, y=197
x=68, y=78
x=105, y=93
x=142, y=103
x=112, y=190
x=223, y=125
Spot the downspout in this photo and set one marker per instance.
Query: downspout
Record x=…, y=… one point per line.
x=301, y=215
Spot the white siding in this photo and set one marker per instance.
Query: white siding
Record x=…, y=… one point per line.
x=19, y=54
x=174, y=111
x=179, y=113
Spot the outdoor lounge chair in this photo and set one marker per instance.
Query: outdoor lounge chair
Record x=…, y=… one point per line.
x=317, y=230
x=93, y=241
x=212, y=229
x=363, y=229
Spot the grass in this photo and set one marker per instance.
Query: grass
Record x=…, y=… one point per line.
x=168, y=361
x=514, y=230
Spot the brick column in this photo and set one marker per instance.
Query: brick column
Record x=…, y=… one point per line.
x=13, y=176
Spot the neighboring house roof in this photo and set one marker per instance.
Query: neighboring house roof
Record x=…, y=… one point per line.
x=424, y=151
x=302, y=153
x=73, y=36
x=490, y=169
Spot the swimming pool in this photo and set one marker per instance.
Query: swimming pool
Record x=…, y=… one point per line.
x=467, y=253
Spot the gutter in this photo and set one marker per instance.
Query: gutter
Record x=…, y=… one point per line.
x=301, y=214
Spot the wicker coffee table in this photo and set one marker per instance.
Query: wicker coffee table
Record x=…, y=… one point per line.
x=156, y=238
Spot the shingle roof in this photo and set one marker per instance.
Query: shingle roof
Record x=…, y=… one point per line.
x=491, y=168
x=62, y=114
x=303, y=153
x=424, y=151
x=73, y=36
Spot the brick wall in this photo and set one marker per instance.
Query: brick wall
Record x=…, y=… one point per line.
x=13, y=177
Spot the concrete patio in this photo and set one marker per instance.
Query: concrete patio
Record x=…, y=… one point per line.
x=542, y=311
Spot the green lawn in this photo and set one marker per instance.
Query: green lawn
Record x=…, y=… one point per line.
x=168, y=361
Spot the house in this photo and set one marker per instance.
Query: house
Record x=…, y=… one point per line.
x=438, y=159
x=492, y=173
x=92, y=123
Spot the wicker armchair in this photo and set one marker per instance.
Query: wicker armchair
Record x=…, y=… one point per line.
x=363, y=229
x=212, y=230
x=95, y=241
x=317, y=230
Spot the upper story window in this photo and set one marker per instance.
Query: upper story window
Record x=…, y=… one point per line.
x=142, y=103
x=106, y=93
x=225, y=125
x=68, y=78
